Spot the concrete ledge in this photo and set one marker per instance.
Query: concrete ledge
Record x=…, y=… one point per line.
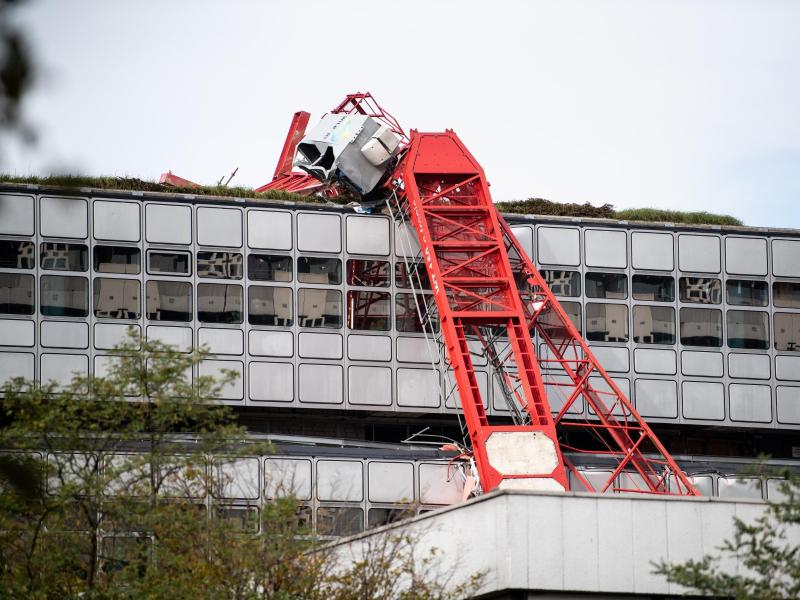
x=574, y=543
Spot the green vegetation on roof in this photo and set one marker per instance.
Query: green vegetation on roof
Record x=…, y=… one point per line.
x=675, y=216
x=531, y=206
x=539, y=206
x=142, y=185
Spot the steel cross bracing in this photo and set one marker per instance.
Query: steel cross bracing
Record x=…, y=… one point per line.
x=464, y=251
x=487, y=292
x=643, y=464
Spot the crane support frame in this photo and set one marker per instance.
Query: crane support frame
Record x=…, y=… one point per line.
x=464, y=251
x=488, y=293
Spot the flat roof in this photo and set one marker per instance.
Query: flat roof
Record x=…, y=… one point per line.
x=511, y=218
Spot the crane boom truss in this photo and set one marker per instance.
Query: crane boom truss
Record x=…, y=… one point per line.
x=487, y=292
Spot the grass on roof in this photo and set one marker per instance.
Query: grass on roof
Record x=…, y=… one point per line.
x=539, y=206
x=143, y=185
x=531, y=206
x=676, y=216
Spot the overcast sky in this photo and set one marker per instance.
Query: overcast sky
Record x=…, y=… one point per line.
x=683, y=105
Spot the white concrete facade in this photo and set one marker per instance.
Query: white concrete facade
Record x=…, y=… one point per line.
x=574, y=544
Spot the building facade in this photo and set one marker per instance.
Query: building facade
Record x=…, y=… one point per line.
x=313, y=305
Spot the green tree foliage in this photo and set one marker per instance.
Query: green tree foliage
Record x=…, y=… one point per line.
x=129, y=500
x=765, y=549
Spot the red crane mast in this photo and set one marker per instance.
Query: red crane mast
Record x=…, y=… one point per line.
x=488, y=293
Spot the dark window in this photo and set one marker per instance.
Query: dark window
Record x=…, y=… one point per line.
x=319, y=308
x=120, y=552
x=368, y=310
x=415, y=274
x=703, y=290
x=219, y=303
x=606, y=322
x=64, y=296
x=17, y=255
x=116, y=298
x=787, y=332
x=319, y=270
x=786, y=294
x=177, y=263
x=169, y=301
x=219, y=265
x=748, y=329
x=701, y=327
x=240, y=518
x=653, y=324
x=746, y=292
x=269, y=267
x=368, y=273
x=269, y=306
x=563, y=283
x=655, y=288
x=613, y=286
x=406, y=315
x=16, y=294
x=64, y=257
x=117, y=259
x=552, y=324
x=339, y=520
x=384, y=516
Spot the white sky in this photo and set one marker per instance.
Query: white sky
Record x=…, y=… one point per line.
x=685, y=105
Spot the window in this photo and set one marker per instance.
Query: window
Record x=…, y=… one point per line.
x=703, y=290
x=653, y=324
x=269, y=306
x=406, y=315
x=606, y=322
x=786, y=294
x=415, y=273
x=655, y=288
x=17, y=255
x=174, y=263
x=64, y=257
x=787, y=332
x=339, y=520
x=219, y=303
x=240, y=518
x=748, y=329
x=701, y=327
x=219, y=265
x=613, y=286
x=319, y=270
x=16, y=294
x=64, y=296
x=746, y=292
x=169, y=301
x=117, y=259
x=116, y=298
x=368, y=310
x=384, y=516
x=369, y=273
x=319, y=308
x=269, y=267
x=563, y=283
x=551, y=323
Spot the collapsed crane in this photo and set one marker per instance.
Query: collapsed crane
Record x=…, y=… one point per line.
x=489, y=300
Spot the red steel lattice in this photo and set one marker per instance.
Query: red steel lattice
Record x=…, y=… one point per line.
x=488, y=292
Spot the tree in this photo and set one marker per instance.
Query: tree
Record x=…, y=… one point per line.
x=130, y=501
x=769, y=559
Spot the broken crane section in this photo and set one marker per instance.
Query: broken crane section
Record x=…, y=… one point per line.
x=488, y=299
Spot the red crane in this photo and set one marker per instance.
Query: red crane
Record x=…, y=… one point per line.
x=487, y=292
